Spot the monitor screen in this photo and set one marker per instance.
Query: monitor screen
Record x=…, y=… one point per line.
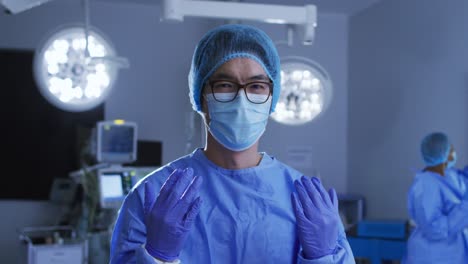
x=117, y=139
x=111, y=186
x=116, y=142
x=114, y=185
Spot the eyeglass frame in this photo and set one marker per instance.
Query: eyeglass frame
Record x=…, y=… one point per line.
x=241, y=86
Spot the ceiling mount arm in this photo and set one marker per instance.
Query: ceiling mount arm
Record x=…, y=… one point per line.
x=303, y=16
x=18, y=6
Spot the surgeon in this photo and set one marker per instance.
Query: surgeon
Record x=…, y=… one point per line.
x=438, y=204
x=227, y=202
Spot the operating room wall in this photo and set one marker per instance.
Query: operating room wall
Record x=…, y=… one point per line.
x=153, y=92
x=407, y=77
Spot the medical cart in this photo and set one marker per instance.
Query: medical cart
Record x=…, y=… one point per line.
x=52, y=245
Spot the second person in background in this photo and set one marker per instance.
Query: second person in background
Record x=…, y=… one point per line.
x=438, y=205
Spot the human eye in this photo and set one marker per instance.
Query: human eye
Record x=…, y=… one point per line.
x=223, y=87
x=258, y=88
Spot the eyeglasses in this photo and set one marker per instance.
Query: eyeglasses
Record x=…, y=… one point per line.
x=256, y=92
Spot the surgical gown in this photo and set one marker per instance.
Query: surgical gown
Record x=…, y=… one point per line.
x=437, y=207
x=246, y=217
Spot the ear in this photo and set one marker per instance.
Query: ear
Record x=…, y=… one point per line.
x=204, y=107
x=204, y=110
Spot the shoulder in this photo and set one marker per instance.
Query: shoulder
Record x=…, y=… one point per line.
x=423, y=178
x=159, y=176
x=426, y=183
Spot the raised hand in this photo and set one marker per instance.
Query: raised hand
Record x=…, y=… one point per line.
x=317, y=217
x=169, y=218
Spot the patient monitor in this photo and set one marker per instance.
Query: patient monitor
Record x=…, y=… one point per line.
x=116, y=142
x=115, y=145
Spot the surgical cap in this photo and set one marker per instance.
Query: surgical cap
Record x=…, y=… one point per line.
x=435, y=148
x=227, y=42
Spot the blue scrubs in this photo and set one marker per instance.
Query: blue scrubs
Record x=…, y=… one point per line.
x=246, y=217
x=437, y=206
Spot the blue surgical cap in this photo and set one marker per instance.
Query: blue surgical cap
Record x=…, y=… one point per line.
x=435, y=148
x=227, y=42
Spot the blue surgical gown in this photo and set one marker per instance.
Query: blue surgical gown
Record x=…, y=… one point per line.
x=246, y=217
x=437, y=207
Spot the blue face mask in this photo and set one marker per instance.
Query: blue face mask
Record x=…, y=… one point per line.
x=452, y=162
x=238, y=124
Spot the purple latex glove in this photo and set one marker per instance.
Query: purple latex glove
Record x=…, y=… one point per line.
x=317, y=217
x=169, y=218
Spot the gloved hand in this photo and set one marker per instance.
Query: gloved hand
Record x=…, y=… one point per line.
x=317, y=217
x=169, y=218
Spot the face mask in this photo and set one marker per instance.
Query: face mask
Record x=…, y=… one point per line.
x=238, y=124
x=451, y=163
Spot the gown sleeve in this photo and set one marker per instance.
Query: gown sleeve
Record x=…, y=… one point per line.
x=129, y=234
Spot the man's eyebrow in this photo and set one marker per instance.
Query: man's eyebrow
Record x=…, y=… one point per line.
x=259, y=77
x=222, y=76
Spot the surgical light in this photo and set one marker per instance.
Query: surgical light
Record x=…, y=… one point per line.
x=71, y=72
x=305, y=93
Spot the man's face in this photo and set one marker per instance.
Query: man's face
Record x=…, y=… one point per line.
x=239, y=70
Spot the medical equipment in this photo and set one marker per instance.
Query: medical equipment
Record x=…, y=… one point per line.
x=76, y=66
x=373, y=240
x=54, y=244
x=376, y=249
x=71, y=73
x=389, y=229
x=352, y=209
x=303, y=17
x=105, y=188
x=306, y=91
x=63, y=191
x=379, y=240
x=116, y=142
x=113, y=144
x=114, y=184
x=149, y=154
x=17, y=6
